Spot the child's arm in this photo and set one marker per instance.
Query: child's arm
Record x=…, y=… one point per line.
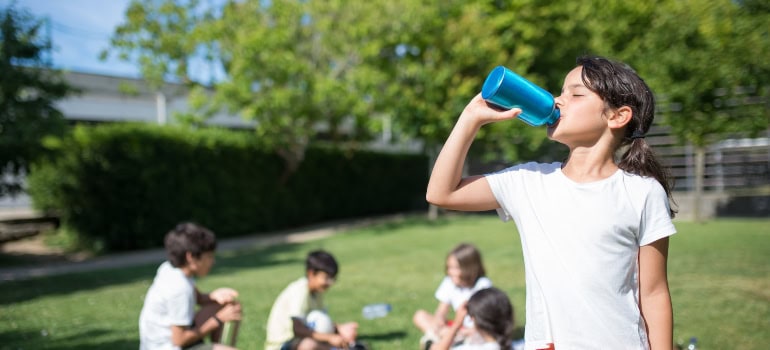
x=442, y=311
x=301, y=330
x=184, y=336
x=448, y=338
x=655, y=298
x=446, y=187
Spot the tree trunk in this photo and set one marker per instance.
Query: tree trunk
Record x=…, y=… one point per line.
x=700, y=170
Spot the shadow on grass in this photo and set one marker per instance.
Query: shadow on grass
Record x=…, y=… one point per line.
x=227, y=262
x=90, y=339
x=377, y=337
x=420, y=221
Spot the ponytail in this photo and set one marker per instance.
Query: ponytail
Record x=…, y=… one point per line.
x=641, y=160
x=619, y=85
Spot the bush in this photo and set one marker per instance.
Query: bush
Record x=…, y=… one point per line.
x=122, y=186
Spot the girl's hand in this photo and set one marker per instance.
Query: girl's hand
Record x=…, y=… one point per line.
x=338, y=341
x=348, y=331
x=223, y=295
x=230, y=312
x=480, y=112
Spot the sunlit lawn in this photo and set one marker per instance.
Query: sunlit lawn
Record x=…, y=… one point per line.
x=719, y=274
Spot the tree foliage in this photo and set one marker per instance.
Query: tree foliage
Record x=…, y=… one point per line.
x=704, y=60
x=305, y=70
x=27, y=96
x=297, y=69
x=160, y=37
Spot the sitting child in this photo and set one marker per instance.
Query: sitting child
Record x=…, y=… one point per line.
x=464, y=276
x=492, y=315
x=168, y=320
x=287, y=324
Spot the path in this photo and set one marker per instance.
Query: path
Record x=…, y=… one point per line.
x=127, y=259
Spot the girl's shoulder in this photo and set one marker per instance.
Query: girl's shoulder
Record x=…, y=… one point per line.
x=531, y=167
x=482, y=282
x=446, y=282
x=642, y=185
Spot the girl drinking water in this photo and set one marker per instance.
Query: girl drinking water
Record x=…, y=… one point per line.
x=594, y=228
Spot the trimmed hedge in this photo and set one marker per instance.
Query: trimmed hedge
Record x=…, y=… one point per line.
x=126, y=185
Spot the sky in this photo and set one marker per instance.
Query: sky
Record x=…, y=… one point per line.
x=80, y=30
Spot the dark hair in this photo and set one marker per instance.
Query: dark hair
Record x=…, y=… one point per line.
x=188, y=237
x=469, y=259
x=320, y=260
x=618, y=85
x=492, y=313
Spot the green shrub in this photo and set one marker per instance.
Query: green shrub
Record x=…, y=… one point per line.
x=122, y=186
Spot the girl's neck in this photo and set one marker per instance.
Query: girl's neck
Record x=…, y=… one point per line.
x=588, y=165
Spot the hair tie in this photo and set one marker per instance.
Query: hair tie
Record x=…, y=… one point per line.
x=637, y=135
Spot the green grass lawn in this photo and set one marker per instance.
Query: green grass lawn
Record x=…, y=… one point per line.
x=719, y=274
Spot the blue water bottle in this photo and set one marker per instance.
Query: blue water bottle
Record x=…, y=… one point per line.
x=505, y=89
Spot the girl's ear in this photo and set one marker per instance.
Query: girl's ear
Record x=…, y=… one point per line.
x=621, y=117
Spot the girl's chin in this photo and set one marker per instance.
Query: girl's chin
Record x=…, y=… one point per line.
x=551, y=129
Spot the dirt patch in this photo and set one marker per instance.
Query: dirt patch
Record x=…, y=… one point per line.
x=34, y=251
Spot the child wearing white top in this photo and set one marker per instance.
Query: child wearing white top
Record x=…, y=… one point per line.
x=464, y=276
x=492, y=315
x=594, y=228
x=169, y=319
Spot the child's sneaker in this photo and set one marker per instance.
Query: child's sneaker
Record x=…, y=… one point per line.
x=427, y=340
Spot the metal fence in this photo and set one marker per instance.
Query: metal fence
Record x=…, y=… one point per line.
x=736, y=164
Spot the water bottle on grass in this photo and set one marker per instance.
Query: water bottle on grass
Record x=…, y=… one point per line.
x=377, y=310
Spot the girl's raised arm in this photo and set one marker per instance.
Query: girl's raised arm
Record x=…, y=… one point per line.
x=447, y=188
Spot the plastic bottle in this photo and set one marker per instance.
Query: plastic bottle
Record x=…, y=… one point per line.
x=505, y=89
x=378, y=310
x=693, y=345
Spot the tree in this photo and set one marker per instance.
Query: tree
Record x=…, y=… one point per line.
x=160, y=37
x=293, y=67
x=164, y=38
x=296, y=69
x=706, y=60
x=27, y=95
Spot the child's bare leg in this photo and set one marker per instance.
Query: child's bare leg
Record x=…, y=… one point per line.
x=427, y=322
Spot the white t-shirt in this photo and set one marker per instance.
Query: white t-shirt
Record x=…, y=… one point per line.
x=580, y=244
x=170, y=301
x=483, y=346
x=294, y=301
x=452, y=294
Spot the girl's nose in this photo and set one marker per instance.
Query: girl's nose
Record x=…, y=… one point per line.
x=558, y=102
